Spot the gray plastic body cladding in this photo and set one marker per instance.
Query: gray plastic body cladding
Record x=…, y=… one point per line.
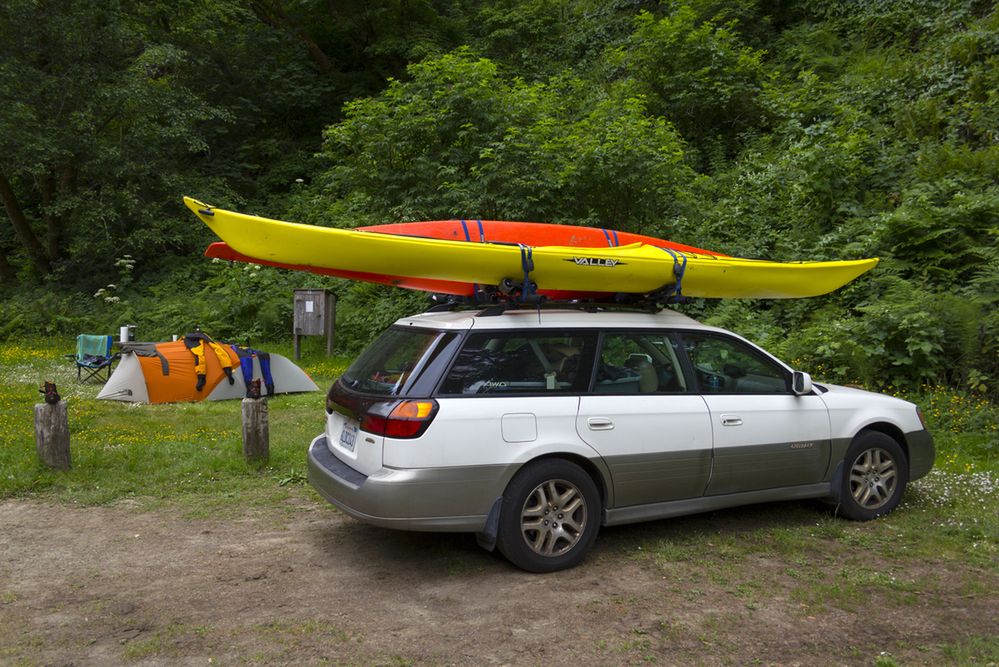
x=432, y=499
x=625, y=515
x=922, y=453
x=760, y=467
x=648, y=478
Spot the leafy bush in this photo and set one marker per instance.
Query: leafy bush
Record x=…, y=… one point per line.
x=365, y=310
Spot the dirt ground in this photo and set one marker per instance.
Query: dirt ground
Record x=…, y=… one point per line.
x=306, y=585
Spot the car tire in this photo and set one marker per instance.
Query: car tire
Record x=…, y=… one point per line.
x=875, y=472
x=550, y=516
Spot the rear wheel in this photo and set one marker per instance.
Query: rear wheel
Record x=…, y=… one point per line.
x=550, y=516
x=875, y=475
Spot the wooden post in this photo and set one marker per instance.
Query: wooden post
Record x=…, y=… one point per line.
x=256, y=430
x=52, y=434
x=329, y=321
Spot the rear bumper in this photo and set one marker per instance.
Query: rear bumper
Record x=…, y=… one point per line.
x=435, y=499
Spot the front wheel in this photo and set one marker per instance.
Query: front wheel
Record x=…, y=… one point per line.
x=875, y=475
x=550, y=516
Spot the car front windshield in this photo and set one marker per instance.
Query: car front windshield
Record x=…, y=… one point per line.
x=386, y=367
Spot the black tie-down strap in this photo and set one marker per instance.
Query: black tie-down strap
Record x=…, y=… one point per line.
x=529, y=289
x=147, y=350
x=674, y=292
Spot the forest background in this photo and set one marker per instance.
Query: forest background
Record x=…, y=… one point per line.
x=770, y=128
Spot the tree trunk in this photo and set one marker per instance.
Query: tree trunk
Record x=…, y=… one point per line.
x=46, y=186
x=54, y=224
x=8, y=276
x=22, y=227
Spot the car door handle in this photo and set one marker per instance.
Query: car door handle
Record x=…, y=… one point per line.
x=731, y=420
x=600, y=424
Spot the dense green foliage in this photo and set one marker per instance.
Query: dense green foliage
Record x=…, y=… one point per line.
x=761, y=128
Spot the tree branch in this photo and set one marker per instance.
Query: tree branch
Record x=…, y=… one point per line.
x=273, y=13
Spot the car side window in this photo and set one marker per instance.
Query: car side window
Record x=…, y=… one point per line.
x=521, y=363
x=724, y=365
x=638, y=363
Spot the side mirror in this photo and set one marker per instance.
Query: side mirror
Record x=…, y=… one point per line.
x=801, y=383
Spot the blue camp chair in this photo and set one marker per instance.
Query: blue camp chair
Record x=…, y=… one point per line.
x=93, y=357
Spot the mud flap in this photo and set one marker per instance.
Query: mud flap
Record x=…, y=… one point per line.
x=835, y=488
x=487, y=538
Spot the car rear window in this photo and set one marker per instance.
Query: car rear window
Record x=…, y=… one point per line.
x=394, y=362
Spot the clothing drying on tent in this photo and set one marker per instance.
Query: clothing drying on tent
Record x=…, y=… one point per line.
x=196, y=343
x=246, y=356
x=196, y=368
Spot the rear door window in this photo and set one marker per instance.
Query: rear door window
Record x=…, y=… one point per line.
x=638, y=363
x=521, y=363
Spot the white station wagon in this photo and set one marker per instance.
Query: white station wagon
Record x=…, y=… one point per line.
x=532, y=428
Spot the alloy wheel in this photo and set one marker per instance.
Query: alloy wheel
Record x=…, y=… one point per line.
x=553, y=517
x=873, y=478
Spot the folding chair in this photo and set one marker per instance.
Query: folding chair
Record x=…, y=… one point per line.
x=93, y=357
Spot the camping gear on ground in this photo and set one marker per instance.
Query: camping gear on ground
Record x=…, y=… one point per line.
x=171, y=372
x=93, y=357
x=637, y=268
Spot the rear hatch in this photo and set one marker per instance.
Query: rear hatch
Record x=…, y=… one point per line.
x=386, y=393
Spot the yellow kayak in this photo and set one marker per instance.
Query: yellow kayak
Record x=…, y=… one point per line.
x=637, y=268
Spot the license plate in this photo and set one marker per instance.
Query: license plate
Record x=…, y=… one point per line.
x=348, y=436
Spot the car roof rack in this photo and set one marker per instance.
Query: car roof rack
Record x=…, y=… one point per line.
x=493, y=304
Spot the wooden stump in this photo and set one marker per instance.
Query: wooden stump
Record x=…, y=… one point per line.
x=52, y=434
x=256, y=430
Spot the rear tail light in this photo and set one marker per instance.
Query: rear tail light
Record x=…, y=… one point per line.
x=407, y=418
x=402, y=419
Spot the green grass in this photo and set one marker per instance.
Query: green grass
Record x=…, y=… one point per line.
x=191, y=452
x=188, y=453
x=973, y=651
x=189, y=456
